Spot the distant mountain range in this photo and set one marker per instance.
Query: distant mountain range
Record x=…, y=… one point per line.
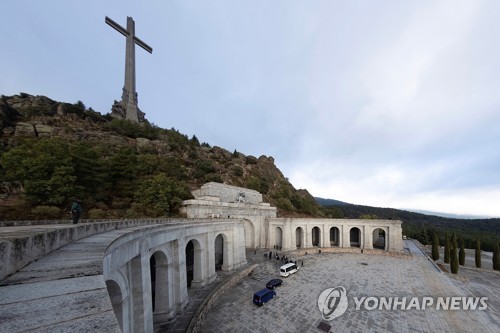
x=422, y=224
x=332, y=202
x=453, y=216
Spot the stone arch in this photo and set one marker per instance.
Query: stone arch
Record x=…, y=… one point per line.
x=162, y=285
x=355, y=237
x=116, y=297
x=316, y=236
x=379, y=238
x=334, y=236
x=299, y=237
x=278, y=238
x=194, y=262
x=221, y=252
x=121, y=302
x=249, y=230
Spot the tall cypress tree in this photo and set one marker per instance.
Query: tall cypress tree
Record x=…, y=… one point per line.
x=478, y=253
x=447, y=249
x=435, y=247
x=496, y=257
x=454, y=255
x=461, y=254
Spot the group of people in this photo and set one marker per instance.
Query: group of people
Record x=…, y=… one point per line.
x=283, y=258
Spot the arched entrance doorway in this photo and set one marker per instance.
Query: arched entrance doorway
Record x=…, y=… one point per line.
x=316, y=236
x=334, y=236
x=278, y=238
x=355, y=237
x=299, y=234
x=161, y=286
x=249, y=230
x=193, y=262
x=219, y=252
x=379, y=239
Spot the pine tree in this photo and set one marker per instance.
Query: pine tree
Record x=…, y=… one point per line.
x=478, y=253
x=447, y=250
x=435, y=247
x=461, y=254
x=423, y=237
x=454, y=255
x=496, y=257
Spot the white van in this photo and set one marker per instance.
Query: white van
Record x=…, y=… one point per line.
x=288, y=269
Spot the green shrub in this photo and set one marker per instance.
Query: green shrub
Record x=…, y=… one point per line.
x=213, y=177
x=253, y=183
x=97, y=213
x=237, y=171
x=454, y=255
x=496, y=258
x=478, y=253
x=435, y=247
x=461, y=253
x=284, y=204
x=447, y=250
x=132, y=129
x=46, y=212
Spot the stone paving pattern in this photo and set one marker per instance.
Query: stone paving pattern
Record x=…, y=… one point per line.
x=295, y=307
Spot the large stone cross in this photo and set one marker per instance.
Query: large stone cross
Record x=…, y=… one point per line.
x=129, y=95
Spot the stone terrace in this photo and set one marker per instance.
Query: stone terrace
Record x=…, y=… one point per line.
x=64, y=291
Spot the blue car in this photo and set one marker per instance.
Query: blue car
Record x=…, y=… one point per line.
x=262, y=296
x=274, y=283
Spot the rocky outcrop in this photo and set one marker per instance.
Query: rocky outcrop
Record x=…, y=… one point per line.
x=44, y=130
x=8, y=115
x=24, y=129
x=191, y=162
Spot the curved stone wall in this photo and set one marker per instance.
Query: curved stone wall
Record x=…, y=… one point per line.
x=132, y=284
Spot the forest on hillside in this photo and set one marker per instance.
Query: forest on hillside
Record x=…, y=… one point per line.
x=53, y=153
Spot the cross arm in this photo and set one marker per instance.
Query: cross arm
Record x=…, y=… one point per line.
x=143, y=45
x=116, y=26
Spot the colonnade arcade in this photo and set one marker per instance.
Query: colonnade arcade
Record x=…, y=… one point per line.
x=292, y=234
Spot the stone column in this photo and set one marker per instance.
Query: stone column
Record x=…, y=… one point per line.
x=141, y=312
x=211, y=274
x=228, y=251
x=346, y=239
x=287, y=238
x=240, y=257
x=180, y=277
x=368, y=238
x=163, y=291
x=326, y=235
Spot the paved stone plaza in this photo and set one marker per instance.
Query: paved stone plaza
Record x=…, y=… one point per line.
x=295, y=307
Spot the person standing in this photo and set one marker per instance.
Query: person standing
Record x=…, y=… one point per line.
x=76, y=210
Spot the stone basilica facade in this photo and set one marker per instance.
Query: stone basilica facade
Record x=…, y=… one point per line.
x=263, y=229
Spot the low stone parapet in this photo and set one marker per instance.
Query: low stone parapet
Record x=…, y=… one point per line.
x=315, y=250
x=21, y=245
x=199, y=316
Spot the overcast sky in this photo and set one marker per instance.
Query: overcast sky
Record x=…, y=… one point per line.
x=381, y=103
